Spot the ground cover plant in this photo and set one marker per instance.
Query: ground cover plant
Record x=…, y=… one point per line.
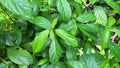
x=59, y=34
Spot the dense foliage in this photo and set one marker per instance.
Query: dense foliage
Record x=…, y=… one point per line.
x=59, y=34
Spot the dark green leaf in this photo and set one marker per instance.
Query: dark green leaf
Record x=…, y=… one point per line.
x=39, y=41
x=17, y=36
x=101, y=17
x=19, y=7
x=35, y=6
x=115, y=49
x=19, y=56
x=67, y=37
x=89, y=30
x=71, y=27
x=64, y=9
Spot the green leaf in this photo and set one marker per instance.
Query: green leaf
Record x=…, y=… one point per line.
x=113, y=5
x=105, y=38
x=39, y=41
x=71, y=26
x=54, y=22
x=42, y=61
x=64, y=9
x=71, y=54
x=76, y=64
x=55, y=51
x=89, y=30
x=93, y=1
x=17, y=36
x=115, y=49
x=111, y=21
x=92, y=60
x=101, y=17
x=117, y=31
x=19, y=56
x=67, y=37
x=42, y=22
x=19, y=7
x=78, y=1
x=86, y=17
x=35, y=6
x=78, y=7
x=51, y=2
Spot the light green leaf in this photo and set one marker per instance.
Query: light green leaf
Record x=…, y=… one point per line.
x=93, y=1
x=42, y=61
x=117, y=31
x=101, y=17
x=19, y=56
x=67, y=37
x=19, y=7
x=55, y=51
x=111, y=21
x=78, y=1
x=105, y=38
x=115, y=49
x=39, y=41
x=42, y=22
x=54, y=22
x=51, y=2
x=113, y=5
x=92, y=60
x=64, y=9
x=86, y=17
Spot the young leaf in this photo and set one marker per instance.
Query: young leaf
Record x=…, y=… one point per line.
x=51, y=2
x=55, y=51
x=54, y=22
x=39, y=41
x=93, y=1
x=113, y=5
x=86, y=17
x=64, y=9
x=101, y=17
x=111, y=21
x=42, y=22
x=67, y=37
x=105, y=38
x=19, y=7
x=115, y=49
x=19, y=56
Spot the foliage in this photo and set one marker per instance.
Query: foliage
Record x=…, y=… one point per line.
x=59, y=34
